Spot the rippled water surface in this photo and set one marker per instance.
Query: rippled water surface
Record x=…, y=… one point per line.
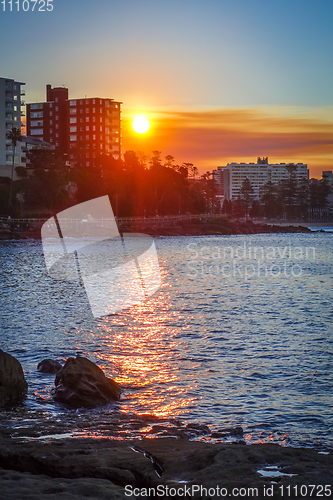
x=240, y=334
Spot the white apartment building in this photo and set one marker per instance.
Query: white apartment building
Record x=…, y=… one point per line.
x=259, y=173
x=10, y=116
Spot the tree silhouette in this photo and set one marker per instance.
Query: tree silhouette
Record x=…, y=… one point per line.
x=14, y=136
x=246, y=194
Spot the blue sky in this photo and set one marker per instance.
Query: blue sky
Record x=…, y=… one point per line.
x=176, y=55
x=211, y=53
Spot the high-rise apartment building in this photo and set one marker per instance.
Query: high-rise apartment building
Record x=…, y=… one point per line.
x=94, y=130
x=84, y=129
x=233, y=175
x=10, y=117
x=48, y=120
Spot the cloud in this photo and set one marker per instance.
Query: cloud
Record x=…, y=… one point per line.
x=216, y=137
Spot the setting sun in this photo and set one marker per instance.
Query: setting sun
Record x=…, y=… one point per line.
x=140, y=124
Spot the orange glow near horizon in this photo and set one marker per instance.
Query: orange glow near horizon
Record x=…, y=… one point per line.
x=212, y=138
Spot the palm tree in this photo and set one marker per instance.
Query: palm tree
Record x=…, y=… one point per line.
x=14, y=136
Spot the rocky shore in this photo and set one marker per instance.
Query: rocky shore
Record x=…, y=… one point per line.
x=109, y=468
x=39, y=465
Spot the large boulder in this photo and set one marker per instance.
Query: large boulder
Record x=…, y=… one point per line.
x=49, y=366
x=12, y=381
x=81, y=383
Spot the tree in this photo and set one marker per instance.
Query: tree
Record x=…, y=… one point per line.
x=269, y=196
x=288, y=189
x=302, y=196
x=246, y=194
x=14, y=136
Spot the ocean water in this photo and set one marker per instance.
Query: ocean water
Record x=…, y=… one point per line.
x=239, y=334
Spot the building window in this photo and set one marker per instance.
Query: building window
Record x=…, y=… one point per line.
x=94, y=110
x=101, y=120
x=94, y=100
x=57, y=125
x=94, y=128
x=101, y=129
x=56, y=99
x=72, y=111
x=87, y=155
x=81, y=111
x=72, y=103
x=51, y=113
x=57, y=108
x=51, y=130
x=51, y=140
x=94, y=119
x=57, y=143
x=87, y=101
x=87, y=118
x=87, y=128
x=87, y=137
x=72, y=120
x=87, y=163
x=36, y=106
x=37, y=131
x=100, y=101
x=94, y=138
x=87, y=111
x=57, y=135
x=100, y=110
x=36, y=114
x=72, y=137
x=72, y=129
x=36, y=123
x=51, y=122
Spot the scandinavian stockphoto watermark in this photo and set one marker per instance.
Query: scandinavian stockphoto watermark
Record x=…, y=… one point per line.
x=117, y=271
x=246, y=261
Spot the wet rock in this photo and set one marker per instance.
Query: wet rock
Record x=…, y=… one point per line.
x=12, y=381
x=49, y=366
x=19, y=485
x=198, y=428
x=228, y=431
x=82, y=383
x=150, y=462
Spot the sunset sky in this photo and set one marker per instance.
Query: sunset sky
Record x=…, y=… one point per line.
x=219, y=80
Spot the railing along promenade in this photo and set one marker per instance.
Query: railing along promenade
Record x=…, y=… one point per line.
x=145, y=220
x=26, y=224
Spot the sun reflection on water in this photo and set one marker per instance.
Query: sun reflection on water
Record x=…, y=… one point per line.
x=141, y=355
